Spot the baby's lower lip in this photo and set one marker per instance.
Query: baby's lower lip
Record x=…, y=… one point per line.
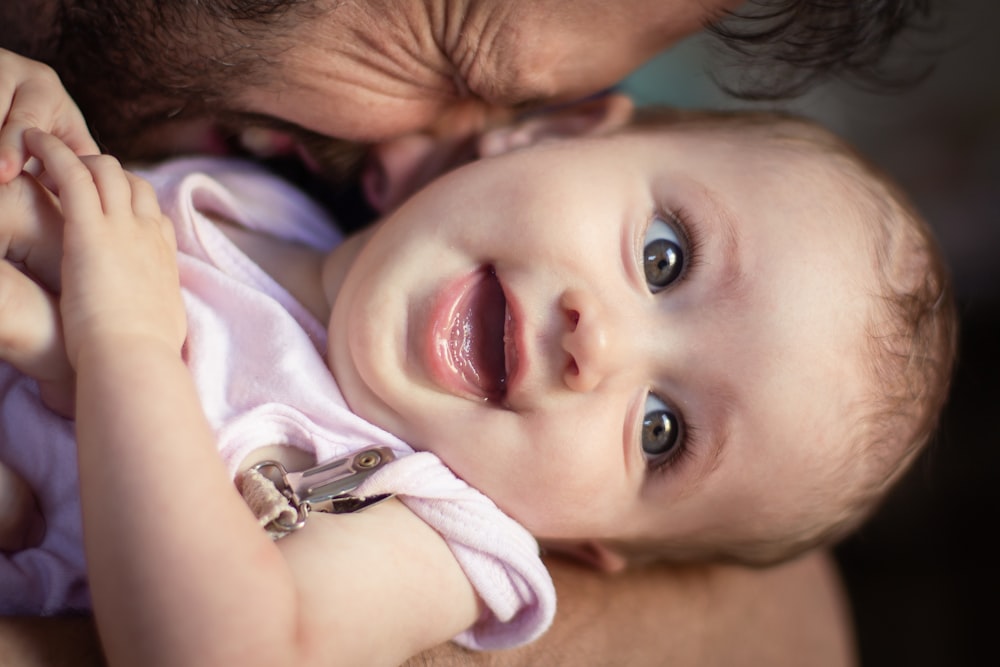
x=466, y=350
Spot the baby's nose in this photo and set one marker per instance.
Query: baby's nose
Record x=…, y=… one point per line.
x=586, y=341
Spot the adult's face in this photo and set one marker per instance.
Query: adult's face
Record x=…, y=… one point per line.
x=369, y=71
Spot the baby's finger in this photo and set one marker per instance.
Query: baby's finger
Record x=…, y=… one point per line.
x=30, y=331
x=144, y=202
x=13, y=155
x=72, y=128
x=12, y=152
x=73, y=181
x=32, y=227
x=113, y=184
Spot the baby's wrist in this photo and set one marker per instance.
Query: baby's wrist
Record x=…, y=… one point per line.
x=104, y=347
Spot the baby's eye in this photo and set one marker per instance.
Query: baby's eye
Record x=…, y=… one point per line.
x=660, y=432
x=662, y=254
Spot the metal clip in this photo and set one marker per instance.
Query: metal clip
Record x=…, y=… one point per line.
x=328, y=487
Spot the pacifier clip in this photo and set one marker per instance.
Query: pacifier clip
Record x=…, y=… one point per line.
x=282, y=500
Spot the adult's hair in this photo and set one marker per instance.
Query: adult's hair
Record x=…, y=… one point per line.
x=783, y=47
x=133, y=65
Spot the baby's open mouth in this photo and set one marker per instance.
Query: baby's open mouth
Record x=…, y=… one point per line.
x=475, y=337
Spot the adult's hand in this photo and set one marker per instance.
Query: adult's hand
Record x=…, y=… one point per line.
x=690, y=616
x=687, y=616
x=31, y=95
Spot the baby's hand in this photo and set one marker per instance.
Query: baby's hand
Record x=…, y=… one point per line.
x=119, y=269
x=31, y=339
x=31, y=95
x=31, y=225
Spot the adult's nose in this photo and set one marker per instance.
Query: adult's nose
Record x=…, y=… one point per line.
x=586, y=340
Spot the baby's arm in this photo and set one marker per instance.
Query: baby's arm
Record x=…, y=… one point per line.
x=31, y=95
x=683, y=616
x=180, y=572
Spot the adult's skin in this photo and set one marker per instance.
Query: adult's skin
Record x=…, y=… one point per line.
x=705, y=616
x=373, y=70
x=147, y=72
x=360, y=71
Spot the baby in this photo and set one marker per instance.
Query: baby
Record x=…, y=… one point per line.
x=670, y=335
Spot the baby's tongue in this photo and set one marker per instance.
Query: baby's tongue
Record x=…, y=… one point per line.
x=476, y=343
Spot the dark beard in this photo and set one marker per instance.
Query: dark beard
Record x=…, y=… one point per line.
x=140, y=68
x=136, y=65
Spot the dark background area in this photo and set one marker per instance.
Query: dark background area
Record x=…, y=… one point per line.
x=923, y=575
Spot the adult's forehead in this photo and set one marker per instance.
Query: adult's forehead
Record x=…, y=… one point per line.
x=560, y=49
x=373, y=71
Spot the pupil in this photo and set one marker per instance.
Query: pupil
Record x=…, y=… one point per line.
x=658, y=432
x=663, y=262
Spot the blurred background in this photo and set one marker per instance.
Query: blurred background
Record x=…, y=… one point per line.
x=922, y=575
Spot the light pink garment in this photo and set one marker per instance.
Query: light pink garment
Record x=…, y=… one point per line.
x=257, y=357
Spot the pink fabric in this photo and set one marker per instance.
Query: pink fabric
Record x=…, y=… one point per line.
x=257, y=357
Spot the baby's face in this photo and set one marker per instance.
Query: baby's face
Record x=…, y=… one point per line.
x=640, y=335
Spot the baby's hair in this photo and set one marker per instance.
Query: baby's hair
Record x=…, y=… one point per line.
x=911, y=342
x=783, y=47
x=914, y=343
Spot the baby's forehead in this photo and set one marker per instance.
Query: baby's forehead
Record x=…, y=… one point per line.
x=786, y=145
x=798, y=180
x=818, y=261
x=788, y=191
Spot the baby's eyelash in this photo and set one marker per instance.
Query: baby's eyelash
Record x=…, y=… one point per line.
x=692, y=239
x=693, y=246
x=685, y=451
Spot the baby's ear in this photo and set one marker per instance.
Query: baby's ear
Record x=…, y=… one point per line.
x=591, y=117
x=595, y=554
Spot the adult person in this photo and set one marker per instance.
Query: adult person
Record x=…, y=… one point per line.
x=368, y=71
x=375, y=70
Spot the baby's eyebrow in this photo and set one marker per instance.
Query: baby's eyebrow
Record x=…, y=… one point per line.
x=709, y=444
x=732, y=279
x=713, y=435
x=717, y=259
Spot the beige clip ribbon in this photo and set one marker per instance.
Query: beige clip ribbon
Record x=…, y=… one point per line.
x=273, y=510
